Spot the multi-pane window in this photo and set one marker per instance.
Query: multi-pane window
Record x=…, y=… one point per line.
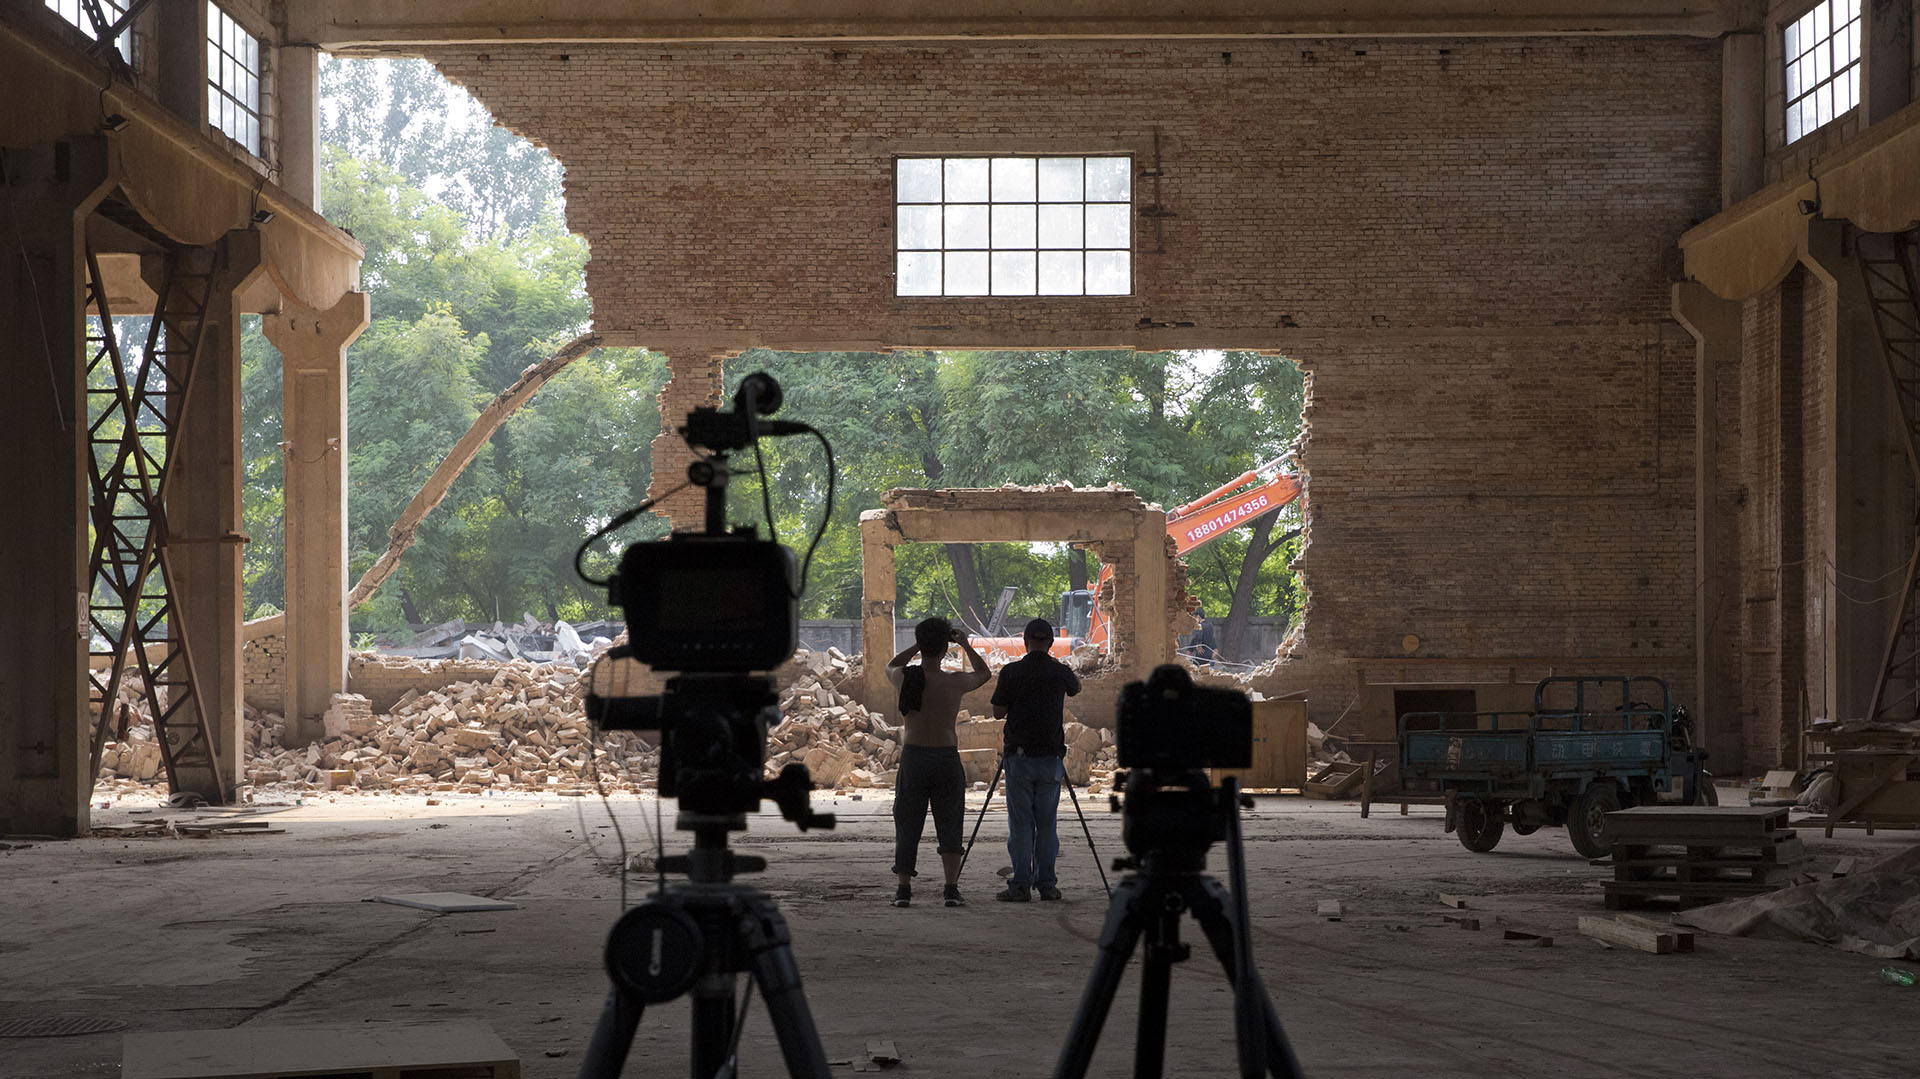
x=111, y=10
x=1822, y=54
x=233, y=79
x=1013, y=226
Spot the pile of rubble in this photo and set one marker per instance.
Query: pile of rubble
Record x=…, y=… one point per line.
x=526, y=729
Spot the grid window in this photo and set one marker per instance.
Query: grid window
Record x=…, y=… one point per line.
x=1013, y=226
x=1822, y=54
x=233, y=79
x=111, y=10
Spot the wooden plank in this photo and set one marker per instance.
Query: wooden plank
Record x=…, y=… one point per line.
x=394, y=1049
x=1682, y=937
x=1627, y=936
x=1330, y=910
x=1453, y=901
x=1539, y=940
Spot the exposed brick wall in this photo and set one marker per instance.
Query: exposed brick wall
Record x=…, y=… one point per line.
x=1466, y=243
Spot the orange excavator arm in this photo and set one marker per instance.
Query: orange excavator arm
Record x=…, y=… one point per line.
x=1232, y=504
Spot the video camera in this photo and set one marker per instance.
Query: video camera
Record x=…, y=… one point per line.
x=712, y=606
x=1170, y=732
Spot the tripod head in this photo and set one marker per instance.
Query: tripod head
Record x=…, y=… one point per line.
x=1172, y=818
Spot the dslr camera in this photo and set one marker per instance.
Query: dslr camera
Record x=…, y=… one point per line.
x=1170, y=731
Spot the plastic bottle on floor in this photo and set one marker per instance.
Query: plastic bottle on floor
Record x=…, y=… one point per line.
x=1896, y=976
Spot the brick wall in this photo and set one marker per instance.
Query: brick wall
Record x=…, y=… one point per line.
x=1466, y=243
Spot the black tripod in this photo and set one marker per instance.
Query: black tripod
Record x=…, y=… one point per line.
x=1169, y=829
x=696, y=937
x=1000, y=770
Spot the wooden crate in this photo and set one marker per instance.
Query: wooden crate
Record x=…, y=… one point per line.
x=1279, y=748
x=461, y=1050
x=1335, y=780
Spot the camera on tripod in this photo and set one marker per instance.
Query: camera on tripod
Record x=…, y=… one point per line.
x=1170, y=731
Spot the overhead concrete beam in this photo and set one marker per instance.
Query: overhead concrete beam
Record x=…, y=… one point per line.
x=373, y=25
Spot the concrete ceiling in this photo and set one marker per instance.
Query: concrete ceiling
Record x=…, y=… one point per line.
x=377, y=25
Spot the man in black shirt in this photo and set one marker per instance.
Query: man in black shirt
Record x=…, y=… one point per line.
x=1030, y=697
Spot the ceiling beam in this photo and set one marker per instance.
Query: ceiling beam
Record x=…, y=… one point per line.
x=382, y=25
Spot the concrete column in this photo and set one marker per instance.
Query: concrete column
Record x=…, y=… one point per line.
x=313, y=354
x=44, y=751
x=180, y=52
x=1887, y=56
x=1743, y=115
x=1872, y=526
x=203, y=516
x=877, y=590
x=694, y=380
x=297, y=121
x=1716, y=328
x=1149, y=643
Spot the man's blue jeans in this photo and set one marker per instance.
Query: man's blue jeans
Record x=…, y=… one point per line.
x=1033, y=803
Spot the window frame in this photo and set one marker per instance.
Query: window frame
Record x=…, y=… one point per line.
x=1008, y=183
x=112, y=9
x=1812, y=75
x=249, y=66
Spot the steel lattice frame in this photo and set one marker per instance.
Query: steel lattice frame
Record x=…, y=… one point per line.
x=1888, y=268
x=134, y=412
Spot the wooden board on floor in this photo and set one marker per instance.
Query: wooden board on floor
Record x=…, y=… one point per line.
x=370, y=1050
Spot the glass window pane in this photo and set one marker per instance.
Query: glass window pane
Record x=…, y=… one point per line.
x=213, y=105
x=1060, y=226
x=918, y=227
x=1793, y=122
x=1013, y=179
x=1060, y=179
x=253, y=134
x=1820, y=28
x=252, y=56
x=1822, y=63
x=1013, y=273
x=1107, y=273
x=1013, y=226
x=1823, y=103
x=1060, y=273
x=1790, y=43
x=967, y=179
x=966, y=226
x=1107, y=224
x=1108, y=179
x=919, y=179
x=213, y=62
x=1853, y=44
x=916, y=273
x=1853, y=9
x=1793, y=81
x=1804, y=28
x=966, y=273
x=1853, y=84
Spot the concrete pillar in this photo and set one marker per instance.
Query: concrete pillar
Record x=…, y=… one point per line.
x=1743, y=115
x=1887, y=56
x=203, y=516
x=1716, y=328
x=1873, y=484
x=694, y=380
x=297, y=121
x=313, y=355
x=1147, y=641
x=180, y=55
x=877, y=591
x=45, y=778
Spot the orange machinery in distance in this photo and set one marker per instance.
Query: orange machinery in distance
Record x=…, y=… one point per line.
x=1235, y=503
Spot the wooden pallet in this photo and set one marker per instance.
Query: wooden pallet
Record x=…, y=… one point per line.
x=467, y=1050
x=1700, y=854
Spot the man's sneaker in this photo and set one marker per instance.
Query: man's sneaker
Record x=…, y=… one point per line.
x=952, y=896
x=903, y=895
x=1013, y=893
x=1049, y=892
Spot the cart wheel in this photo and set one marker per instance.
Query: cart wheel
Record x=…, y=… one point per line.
x=1705, y=795
x=1587, y=820
x=1479, y=825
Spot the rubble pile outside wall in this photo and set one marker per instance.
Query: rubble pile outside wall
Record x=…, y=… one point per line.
x=525, y=728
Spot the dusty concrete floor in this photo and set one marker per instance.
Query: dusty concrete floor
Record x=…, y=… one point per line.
x=176, y=934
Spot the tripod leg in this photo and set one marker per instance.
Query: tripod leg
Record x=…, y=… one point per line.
x=612, y=1037
x=1117, y=939
x=770, y=959
x=1253, y=1009
x=1156, y=975
x=1084, y=830
x=991, y=787
x=714, y=1015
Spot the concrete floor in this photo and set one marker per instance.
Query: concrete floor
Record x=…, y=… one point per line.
x=179, y=934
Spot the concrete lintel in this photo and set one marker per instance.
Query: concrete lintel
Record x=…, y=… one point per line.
x=344, y=25
x=1011, y=526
